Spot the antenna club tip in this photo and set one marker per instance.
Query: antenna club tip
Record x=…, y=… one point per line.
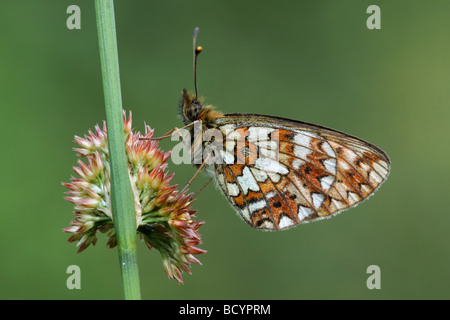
x=198, y=49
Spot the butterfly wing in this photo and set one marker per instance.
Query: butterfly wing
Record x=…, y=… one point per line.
x=279, y=172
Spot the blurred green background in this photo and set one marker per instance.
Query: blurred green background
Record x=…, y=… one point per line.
x=314, y=61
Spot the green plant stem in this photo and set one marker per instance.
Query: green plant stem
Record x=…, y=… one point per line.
x=121, y=194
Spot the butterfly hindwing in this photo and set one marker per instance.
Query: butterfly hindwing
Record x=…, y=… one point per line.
x=280, y=172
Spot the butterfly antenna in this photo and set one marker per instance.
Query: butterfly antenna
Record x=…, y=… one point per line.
x=197, y=51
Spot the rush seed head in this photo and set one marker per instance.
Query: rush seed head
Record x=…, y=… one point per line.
x=164, y=216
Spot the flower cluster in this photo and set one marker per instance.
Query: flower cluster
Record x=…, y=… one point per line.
x=164, y=216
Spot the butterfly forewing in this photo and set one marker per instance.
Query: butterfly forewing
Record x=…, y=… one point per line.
x=279, y=172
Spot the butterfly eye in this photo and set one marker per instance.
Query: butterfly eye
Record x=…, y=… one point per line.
x=191, y=113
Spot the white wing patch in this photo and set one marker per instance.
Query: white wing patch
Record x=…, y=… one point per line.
x=270, y=165
x=247, y=181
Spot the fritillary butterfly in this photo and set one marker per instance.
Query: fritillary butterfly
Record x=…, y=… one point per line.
x=279, y=172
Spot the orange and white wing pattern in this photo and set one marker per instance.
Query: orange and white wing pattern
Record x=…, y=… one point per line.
x=303, y=172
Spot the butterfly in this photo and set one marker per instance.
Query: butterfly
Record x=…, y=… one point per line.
x=278, y=172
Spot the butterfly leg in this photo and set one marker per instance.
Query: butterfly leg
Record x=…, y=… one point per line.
x=201, y=189
x=169, y=133
x=196, y=173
